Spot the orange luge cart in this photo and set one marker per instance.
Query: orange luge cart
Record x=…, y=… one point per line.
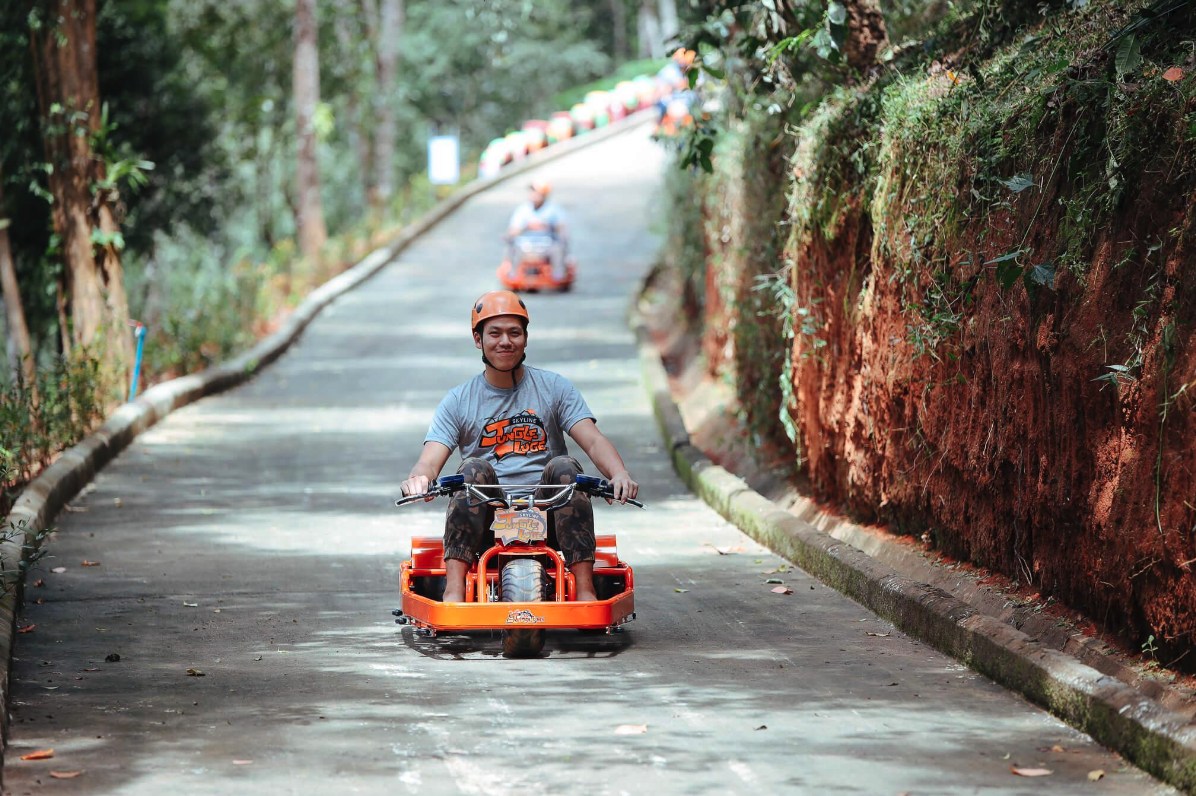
x=520, y=585
x=529, y=270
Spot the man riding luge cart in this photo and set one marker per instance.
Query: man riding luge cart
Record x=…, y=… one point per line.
x=537, y=245
x=520, y=521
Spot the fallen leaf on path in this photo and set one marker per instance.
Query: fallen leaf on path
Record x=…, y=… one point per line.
x=27, y=629
x=782, y=590
x=86, y=563
x=631, y=729
x=1173, y=74
x=762, y=727
x=92, y=669
x=40, y=754
x=878, y=635
x=1096, y=776
x=195, y=673
x=190, y=605
x=1057, y=748
x=111, y=658
x=65, y=774
x=1031, y=772
x=58, y=570
x=242, y=762
x=39, y=583
x=681, y=591
x=774, y=580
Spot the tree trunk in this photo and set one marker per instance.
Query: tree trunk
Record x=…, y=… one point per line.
x=64, y=56
x=309, y=215
x=392, y=18
x=866, y=34
x=651, y=44
x=14, y=310
x=356, y=111
x=618, y=22
x=669, y=26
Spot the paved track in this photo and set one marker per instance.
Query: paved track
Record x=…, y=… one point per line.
x=252, y=537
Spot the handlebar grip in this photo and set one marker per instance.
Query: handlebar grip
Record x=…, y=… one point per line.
x=441, y=486
x=600, y=487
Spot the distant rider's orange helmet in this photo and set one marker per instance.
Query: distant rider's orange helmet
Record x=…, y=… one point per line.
x=495, y=303
x=542, y=187
x=684, y=57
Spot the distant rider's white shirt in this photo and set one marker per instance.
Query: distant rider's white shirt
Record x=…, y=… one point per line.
x=548, y=217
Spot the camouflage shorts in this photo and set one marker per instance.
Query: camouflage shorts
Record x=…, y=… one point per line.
x=570, y=528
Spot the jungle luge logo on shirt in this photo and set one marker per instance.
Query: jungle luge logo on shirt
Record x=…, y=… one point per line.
x=515, y=436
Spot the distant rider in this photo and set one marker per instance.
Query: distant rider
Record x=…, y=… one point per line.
x=539, y=219
x=675, y=106
x=508, y=423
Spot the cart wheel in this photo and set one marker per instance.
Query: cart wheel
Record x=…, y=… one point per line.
x=523, y=582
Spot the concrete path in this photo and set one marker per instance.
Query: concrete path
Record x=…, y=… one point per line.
x=246, y=554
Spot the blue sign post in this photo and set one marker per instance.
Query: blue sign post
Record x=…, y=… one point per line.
x=139, y=331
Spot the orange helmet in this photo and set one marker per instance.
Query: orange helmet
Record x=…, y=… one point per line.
x=542, y=187
x=684, y=57
x=495, y=303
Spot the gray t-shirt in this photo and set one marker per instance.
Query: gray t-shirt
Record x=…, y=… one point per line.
x=518, y=430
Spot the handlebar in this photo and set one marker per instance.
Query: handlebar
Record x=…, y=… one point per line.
x=501, y=495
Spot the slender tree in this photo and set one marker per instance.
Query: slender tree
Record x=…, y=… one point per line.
x=648, y=29
x=64, y=55
x=309, y=211
x=352, y=17
x=669, y=25
x=618, y=16
x=392, y=15
x=866, y=34
x=14, y=311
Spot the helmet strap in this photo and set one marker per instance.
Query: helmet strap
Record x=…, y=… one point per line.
x=518, y=365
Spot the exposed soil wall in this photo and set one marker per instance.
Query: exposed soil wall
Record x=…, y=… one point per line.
x=990, y=289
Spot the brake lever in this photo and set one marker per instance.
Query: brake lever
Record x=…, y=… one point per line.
x=611, y=496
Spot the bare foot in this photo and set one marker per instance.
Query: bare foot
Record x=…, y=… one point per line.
x=586, y=596
x=454, y=595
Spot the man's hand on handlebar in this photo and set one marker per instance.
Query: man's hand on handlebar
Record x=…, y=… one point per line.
x=417, y=485
x=623, y=487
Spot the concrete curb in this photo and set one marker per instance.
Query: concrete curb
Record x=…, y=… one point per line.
x=1154, y=738
x=45, y=496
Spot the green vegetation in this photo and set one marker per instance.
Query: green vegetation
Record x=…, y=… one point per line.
x=987, y=236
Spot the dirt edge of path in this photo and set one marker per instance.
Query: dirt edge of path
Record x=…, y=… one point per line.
x=1049, y=653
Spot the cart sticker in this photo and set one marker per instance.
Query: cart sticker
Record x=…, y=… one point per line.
x=522, y=525
x=523, y=616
